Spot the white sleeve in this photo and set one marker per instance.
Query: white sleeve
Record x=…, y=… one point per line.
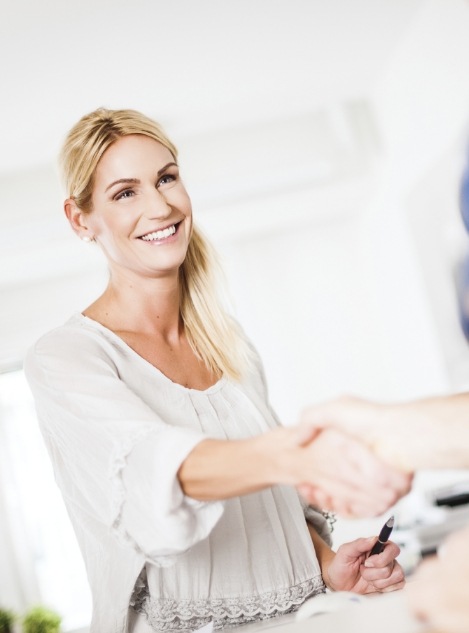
x=114, y=459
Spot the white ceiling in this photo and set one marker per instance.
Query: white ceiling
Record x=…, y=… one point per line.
x=192, y=64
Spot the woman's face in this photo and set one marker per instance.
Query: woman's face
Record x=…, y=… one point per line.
x=141, y=214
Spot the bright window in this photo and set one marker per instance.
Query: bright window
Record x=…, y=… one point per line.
x=45, y=555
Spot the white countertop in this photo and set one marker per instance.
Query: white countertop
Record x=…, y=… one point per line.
x=378, y=613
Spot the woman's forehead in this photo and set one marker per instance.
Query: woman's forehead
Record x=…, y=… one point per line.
x=134, y=152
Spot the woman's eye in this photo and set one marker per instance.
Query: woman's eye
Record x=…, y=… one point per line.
x=127, y=193
x=167, y=178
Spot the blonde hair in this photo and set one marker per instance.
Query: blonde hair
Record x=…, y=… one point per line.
x=212, y=333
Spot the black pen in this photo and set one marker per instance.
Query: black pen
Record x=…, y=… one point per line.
x=383, y=537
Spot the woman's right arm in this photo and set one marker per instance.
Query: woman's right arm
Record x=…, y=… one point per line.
x=328, y=468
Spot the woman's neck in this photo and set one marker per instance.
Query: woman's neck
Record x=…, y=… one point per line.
x=139, y=305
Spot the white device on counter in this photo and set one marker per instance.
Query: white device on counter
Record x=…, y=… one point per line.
x=328, y=603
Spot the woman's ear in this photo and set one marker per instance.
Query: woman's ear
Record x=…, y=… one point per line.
x=78, y=220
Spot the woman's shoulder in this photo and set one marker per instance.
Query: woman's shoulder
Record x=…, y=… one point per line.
x=73, y=334
x=75, y=342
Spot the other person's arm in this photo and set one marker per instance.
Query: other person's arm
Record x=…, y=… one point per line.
x=427, y=433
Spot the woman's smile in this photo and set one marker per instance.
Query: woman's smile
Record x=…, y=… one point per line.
x=161, y=236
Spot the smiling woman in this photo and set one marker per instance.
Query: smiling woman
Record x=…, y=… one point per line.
x=180, y=482
x=122, y=167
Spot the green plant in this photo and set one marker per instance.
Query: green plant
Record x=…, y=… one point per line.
x=41, y=620
x=6, y=621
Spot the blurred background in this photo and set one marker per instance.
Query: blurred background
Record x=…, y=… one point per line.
x=323, y=145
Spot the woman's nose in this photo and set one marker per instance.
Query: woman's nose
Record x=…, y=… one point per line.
x=156, y=206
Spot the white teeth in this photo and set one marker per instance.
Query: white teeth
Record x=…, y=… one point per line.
x=159, y=235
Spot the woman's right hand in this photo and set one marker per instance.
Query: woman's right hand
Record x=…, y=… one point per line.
x=338, y=473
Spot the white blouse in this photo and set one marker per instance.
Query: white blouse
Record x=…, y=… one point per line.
x=117, y=431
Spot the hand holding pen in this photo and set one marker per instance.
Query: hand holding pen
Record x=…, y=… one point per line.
x=355, y=568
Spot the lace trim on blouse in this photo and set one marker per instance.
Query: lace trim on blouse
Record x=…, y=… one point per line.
x=189, y=615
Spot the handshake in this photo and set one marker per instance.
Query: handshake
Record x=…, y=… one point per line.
x=365, y=453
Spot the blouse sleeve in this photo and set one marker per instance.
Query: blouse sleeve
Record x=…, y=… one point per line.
x=321, y=521
x=115, y=460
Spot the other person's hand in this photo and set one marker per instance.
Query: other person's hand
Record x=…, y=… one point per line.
x=439, y=592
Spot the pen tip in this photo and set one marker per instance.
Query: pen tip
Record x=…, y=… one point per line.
x=390, y=521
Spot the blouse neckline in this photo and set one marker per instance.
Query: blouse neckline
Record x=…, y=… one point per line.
x=99, y=326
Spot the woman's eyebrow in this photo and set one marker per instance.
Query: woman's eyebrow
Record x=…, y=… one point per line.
x=171, y=164
x=136, y=181
x=128, y=181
